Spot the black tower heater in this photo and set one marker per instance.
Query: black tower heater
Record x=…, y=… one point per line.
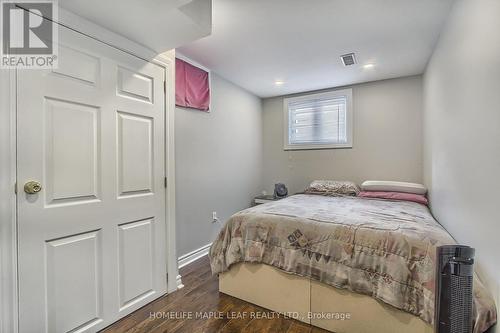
x=454, y=289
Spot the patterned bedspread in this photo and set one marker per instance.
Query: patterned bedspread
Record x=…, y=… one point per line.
x=384, y=249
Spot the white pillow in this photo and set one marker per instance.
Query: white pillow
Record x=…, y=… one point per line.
x=388, y=186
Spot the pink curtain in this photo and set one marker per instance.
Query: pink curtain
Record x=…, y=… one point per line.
x=191, y=86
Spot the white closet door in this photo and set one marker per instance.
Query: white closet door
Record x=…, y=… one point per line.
x=92, y=241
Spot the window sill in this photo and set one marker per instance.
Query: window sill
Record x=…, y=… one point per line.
x=318, y=147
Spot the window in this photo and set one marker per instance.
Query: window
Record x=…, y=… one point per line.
x=318, y=121
x=192, y=86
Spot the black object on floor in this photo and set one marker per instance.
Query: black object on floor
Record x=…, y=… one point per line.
x=454, y=278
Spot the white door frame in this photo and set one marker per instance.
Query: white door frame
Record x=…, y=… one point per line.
x=8, y=153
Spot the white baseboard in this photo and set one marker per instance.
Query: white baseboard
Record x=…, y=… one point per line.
x=193, y=256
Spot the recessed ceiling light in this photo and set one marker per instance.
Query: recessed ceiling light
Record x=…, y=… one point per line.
x=368, y=66
x=279, y=82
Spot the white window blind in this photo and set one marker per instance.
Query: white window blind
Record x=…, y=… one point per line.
x=318, y=121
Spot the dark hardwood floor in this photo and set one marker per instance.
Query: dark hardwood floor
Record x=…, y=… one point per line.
x=200, y=297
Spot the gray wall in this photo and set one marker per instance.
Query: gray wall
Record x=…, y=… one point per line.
x=218, y=162
x=386, y=143
x=462, y=131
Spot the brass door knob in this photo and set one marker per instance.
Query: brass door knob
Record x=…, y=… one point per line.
x=32, y=187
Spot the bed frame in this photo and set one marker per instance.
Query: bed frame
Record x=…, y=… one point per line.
x=298, y=297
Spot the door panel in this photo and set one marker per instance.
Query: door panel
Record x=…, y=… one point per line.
x=135, y=154
x=92, y=241
x=135, y=85
x=87, y=70
x=74, y=273
x=72, y=157
x=136, y=245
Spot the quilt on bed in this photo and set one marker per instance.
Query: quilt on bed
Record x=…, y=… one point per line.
x=384, y=249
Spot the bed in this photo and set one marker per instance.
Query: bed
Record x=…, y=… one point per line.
x=308, y=255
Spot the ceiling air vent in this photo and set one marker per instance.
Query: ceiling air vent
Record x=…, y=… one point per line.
x=348, y=59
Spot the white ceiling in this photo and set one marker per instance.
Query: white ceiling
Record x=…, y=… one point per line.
x=160, y=25
x=256, y=42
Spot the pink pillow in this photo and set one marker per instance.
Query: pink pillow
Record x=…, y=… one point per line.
x=420, y=198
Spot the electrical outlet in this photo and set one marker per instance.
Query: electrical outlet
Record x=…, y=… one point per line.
x=214, y=217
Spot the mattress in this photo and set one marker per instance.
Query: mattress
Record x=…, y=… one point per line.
x=380, y=248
